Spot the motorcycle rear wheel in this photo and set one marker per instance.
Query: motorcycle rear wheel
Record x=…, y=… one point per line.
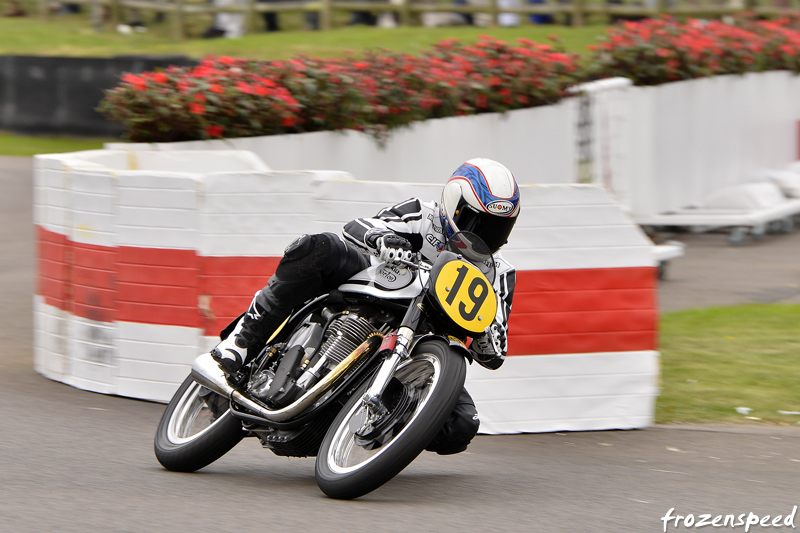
x=192, y=435
x=432, y=378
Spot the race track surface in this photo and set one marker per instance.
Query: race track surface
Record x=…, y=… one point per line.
x=72, y=460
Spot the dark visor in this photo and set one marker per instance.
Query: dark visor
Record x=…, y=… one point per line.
x=493, y=229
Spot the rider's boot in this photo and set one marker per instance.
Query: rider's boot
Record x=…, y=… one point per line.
x=252, y=331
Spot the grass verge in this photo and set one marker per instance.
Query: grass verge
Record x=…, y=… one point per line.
x=72, y=35
x=717, y=359
x=21, y=145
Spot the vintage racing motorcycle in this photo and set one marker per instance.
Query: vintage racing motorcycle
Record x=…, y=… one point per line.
x=362, y=378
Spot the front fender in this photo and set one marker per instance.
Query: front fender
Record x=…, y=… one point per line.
x=454, y=343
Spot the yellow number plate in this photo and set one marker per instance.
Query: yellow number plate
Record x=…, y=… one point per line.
x=466, y=296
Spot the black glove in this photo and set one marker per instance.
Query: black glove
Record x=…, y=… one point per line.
x=488, y=348
x=391, y=248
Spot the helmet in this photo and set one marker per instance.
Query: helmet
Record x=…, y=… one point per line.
x=481, y=197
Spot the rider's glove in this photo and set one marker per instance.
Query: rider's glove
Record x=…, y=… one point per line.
x=392, y=248
x=488, y=348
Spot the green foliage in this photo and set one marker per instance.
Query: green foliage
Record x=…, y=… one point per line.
x=715, y=360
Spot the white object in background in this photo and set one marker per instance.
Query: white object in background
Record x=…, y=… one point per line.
x=788, y=180
x=748, y=196
x=231, y=23
x=508, y=19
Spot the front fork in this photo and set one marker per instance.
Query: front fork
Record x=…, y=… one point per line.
x=400, y=352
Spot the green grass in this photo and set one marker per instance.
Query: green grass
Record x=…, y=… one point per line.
x=20, y=145
x=715, y=360
x=73, y=36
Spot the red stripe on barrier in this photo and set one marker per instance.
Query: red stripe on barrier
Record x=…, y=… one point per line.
x=584, y=311
x=53, y=267
x=586, y=279
x=593, y=300
x=617, y=341
x=229, y=283
x=158, y=286
x=555, y=311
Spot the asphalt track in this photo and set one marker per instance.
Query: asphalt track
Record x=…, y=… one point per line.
x=72, y=460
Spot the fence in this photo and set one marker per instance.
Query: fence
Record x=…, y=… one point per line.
x=577, y=11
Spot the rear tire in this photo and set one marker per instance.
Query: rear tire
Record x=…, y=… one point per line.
x=433, y=378
x=194, y=431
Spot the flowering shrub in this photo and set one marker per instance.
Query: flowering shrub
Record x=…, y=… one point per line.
x=226, y=97
x=661, y=50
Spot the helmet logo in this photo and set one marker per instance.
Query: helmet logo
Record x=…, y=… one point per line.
x=500, y=207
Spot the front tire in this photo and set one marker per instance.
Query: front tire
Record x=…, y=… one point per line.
x=196, y=429
x=428, y=385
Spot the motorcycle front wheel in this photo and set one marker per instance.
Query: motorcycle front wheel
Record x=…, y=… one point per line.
x=196, y=429
x=352, y=462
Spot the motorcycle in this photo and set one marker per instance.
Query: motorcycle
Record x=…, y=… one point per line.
x=363, y=377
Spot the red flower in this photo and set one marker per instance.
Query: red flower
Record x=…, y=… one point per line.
x=200, y=97
x=158, y=77
x=139, y=83
x=288, y=121
x=214, y=88
x=244, y=87
x=215, y=131
x=197, y=109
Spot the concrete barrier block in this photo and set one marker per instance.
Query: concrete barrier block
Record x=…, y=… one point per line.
x=50, y=334
x=556, y=216
x=533, y=196
x=159, y=391
x=566, y=392
x=588, y=236
x=93, y=355
x=203, y=162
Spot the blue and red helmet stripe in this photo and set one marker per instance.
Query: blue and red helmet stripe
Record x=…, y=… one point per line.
x=480, y=186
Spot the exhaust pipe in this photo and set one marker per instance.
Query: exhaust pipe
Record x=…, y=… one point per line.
x=207, y=373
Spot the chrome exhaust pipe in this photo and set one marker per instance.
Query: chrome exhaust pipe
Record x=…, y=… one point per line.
x=207, y=373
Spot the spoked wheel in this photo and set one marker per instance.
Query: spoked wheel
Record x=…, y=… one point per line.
x=196, y=429
x=363, y=450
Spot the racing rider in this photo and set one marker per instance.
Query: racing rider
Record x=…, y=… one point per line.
x=481, y=197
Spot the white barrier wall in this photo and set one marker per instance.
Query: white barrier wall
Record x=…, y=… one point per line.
x=139, y=269
x=537, y=143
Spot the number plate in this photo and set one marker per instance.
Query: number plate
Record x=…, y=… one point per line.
x=466, y=296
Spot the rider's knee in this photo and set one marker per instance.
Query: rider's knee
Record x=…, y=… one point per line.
x=459, y=429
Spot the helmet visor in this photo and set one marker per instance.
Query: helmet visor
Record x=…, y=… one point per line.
x=492, y=229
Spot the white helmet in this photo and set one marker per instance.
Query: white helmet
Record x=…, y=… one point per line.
x=481, y=197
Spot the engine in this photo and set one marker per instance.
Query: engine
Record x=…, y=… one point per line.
x=311, y=352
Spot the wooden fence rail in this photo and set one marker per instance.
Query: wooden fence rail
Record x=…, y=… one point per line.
x=578, y=10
